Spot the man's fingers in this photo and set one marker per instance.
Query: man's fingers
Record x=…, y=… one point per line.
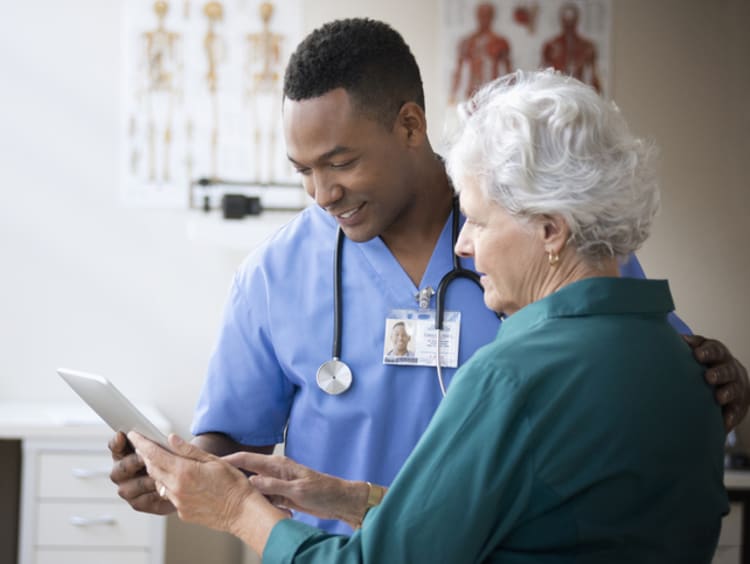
x=134, y=488
x=707, y=351
x=723, y=374
x=693, y=340
x=134, y=485
x=151, y=502
x=141, y=494
x=119, y=446
x=126, y=468
x=727, y=393
x=711, y=352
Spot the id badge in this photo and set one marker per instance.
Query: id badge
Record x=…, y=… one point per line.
x=411, y=338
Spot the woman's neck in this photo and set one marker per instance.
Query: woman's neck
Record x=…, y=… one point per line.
x=573, y=268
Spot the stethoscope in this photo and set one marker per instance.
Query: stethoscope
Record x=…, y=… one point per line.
x=334, y=376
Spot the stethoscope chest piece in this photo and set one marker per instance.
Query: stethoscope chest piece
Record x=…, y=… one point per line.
x=334, y=377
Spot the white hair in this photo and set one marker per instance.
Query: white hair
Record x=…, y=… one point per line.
x=542, y=143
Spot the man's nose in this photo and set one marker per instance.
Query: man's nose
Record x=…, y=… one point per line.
x=323, y=189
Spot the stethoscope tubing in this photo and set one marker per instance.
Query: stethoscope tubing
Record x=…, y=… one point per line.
x=337, y=308
x=458, y=271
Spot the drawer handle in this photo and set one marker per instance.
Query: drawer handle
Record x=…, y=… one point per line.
x=78, y=521
x=84, y=473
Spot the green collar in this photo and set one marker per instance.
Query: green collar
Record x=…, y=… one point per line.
x=594, y=296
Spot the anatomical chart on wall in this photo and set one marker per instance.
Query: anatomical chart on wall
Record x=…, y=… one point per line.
x=484, y=39
x=202, y=95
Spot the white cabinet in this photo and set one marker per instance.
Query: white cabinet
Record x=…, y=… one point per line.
x=734, y=547
x=729, y=550
x=70, y=512
x=91, y=557
x=70, y=506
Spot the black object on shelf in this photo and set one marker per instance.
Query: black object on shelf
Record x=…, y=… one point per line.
x=237, y=206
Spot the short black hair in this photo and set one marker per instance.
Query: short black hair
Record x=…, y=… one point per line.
x=367, y=58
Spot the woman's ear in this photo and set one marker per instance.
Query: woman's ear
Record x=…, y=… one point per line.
x=554, y=232
x=411, y=123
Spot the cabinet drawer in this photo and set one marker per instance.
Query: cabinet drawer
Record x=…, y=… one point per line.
x=92, y=557
x=75, y=475
x=93, y=524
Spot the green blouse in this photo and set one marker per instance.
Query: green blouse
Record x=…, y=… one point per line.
x=583, y=433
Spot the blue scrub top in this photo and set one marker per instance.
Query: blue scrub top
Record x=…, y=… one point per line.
x=278, y=329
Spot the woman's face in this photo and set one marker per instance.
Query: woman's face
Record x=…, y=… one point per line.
x=508, y=255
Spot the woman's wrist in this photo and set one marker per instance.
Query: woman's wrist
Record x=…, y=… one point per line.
x=255, y=521
x=366, y=496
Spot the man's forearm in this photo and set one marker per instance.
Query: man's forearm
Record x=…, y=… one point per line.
x=221, y=445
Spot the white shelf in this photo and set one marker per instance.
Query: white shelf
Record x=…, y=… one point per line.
x=34, y=420
x=737, y=479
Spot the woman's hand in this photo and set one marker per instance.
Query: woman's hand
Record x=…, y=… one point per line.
x=206, y=490
x=203, y=489
x=291, y=485
x=726, y=374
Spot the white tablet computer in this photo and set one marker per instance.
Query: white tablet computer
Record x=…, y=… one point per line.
x=111, y=405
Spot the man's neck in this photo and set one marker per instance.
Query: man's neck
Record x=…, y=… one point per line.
x=414, y=241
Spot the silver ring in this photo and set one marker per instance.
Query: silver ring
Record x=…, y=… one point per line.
x=163, y=491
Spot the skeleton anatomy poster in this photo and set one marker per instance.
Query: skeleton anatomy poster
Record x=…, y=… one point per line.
x=202, y=94
x=484, y=39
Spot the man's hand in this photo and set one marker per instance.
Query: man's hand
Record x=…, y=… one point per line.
x=726, y=374
x=134, y=485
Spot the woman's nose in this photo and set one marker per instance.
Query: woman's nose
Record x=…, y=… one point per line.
x=464, y=246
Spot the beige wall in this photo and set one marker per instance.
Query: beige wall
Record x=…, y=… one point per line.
x=682, y=77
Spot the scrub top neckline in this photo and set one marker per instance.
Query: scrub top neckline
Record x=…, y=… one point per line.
x=393, y=274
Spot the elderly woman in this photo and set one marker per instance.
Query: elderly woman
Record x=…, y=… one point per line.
x=553, y=443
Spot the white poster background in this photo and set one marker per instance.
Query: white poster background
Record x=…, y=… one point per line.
x=176, y=127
